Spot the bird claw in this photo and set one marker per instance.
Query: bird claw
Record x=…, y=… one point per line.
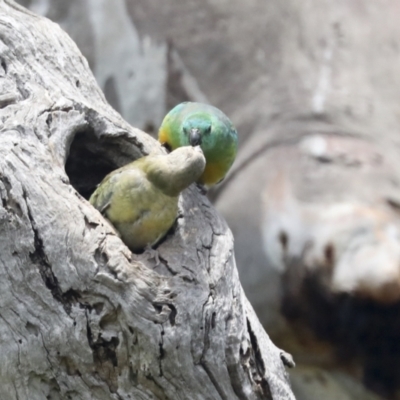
x=203, y=190
x=152, y=254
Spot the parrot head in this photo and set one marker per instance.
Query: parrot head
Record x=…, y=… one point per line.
x=197, y=124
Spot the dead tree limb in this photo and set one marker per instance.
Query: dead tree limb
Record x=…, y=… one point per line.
x=81, y=316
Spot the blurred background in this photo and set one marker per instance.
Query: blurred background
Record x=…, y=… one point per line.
x=313, y=198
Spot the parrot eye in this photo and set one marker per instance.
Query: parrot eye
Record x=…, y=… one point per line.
x=207, y=130
x=185, y=130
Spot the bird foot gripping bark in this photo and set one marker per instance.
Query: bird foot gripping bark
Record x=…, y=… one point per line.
x=152, y=254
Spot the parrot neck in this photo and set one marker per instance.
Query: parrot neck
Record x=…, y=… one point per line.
x=175, y=172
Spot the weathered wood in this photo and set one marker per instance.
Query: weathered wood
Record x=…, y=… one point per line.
x=313, y=89
x=81, y=316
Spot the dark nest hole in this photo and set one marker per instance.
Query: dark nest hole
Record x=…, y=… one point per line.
x=358, y=328
x=91, y=158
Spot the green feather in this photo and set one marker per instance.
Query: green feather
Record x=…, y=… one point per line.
x=219, y=144
x=141, y=198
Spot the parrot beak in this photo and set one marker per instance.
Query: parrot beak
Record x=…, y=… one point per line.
x=195, y=137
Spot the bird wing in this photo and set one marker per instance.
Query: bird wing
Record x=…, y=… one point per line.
x=102, y=196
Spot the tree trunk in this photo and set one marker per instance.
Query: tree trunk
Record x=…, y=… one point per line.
x=313, y=197
x=83, y=317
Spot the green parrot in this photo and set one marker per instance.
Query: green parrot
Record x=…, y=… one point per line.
x=141, y=198
x=201, y=124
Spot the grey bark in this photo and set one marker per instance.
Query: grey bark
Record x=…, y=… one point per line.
x=313, y=197
x=81, y=316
